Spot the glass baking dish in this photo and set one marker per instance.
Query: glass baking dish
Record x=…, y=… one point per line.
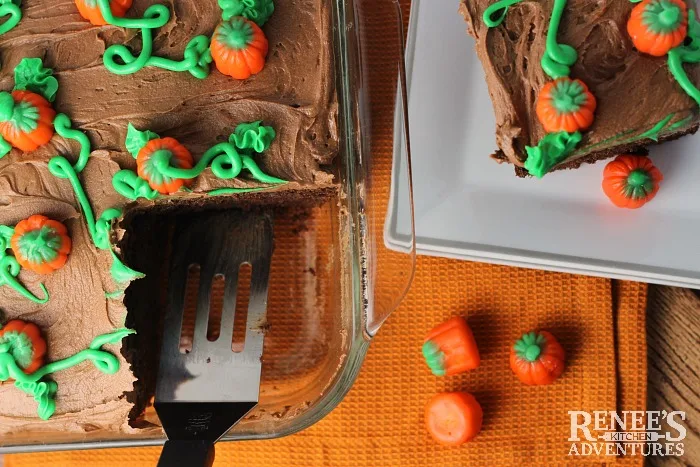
x=333, y=280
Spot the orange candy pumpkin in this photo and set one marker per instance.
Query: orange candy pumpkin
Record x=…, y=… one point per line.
x=28, y=122
x=565, y=105
x=177, y=155
x=239, y=48
x=657, y=26
x=89, y=10
x=631, y=181
x=27, y=345
x=537, y=358
x=453, y=418
x=450, y=348
x=41, y=244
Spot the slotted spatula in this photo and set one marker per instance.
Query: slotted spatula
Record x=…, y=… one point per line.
x=200, y=395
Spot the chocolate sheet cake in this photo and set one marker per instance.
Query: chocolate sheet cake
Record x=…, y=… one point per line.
x=281, y=121
x=637, y=98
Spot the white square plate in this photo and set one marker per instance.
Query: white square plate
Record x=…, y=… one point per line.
x=469, y=207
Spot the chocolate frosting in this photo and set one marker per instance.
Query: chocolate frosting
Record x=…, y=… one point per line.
x=76, y=313
x=294, y=94
x=633, y=91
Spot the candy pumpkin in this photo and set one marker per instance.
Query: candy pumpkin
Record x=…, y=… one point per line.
x=41, y=244
x=537, y=358
x=657, y=26
x=453, y=418
x=24, y=342
x=157, y=151
x=90, y=10
x=26, y=120
x=565, y=105
x=239, y=48
x=631, y=181
x=450, y=348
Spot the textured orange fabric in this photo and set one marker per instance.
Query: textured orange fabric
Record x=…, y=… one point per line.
x=381, y=420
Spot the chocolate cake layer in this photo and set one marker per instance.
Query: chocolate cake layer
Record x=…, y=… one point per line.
x=634, y=92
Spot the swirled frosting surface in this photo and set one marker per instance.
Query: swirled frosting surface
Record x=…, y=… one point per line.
x=634, y=91
x=294, y=94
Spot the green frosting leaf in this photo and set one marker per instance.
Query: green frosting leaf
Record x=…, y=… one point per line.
x=44, y=393
x=30, y=75
x=258, y=11
x=123, y=273
x=253, y=136
x=136, y=140
x=550, y=151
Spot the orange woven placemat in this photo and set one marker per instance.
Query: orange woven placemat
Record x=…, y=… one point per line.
x=381, y=420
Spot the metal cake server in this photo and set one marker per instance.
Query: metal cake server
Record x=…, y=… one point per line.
x=200, y=395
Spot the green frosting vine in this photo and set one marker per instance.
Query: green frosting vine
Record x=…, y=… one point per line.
x=435, y=358
x=558, y=58
x=550, y=151
x=64, y=128
x=10, y=268
x=652, y=133
x=100, y=228
x=226, y=161
x=44, y=392
x=496, y=13
x=688, y=52
x=258, y=11
x=196, y=59
x=10, y=10
x=31, y=75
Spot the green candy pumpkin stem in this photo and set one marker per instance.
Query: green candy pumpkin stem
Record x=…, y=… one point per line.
x=639, y=183
x=529, y=346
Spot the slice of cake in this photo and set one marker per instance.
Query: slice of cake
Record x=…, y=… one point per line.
x=578, y=81
x=111, y=111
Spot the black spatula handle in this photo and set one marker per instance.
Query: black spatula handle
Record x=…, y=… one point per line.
x=179, y=453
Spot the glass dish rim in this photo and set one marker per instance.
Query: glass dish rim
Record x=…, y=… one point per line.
x=355, y=254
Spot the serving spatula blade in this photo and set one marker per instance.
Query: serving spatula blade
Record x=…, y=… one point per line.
x=202, y=393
